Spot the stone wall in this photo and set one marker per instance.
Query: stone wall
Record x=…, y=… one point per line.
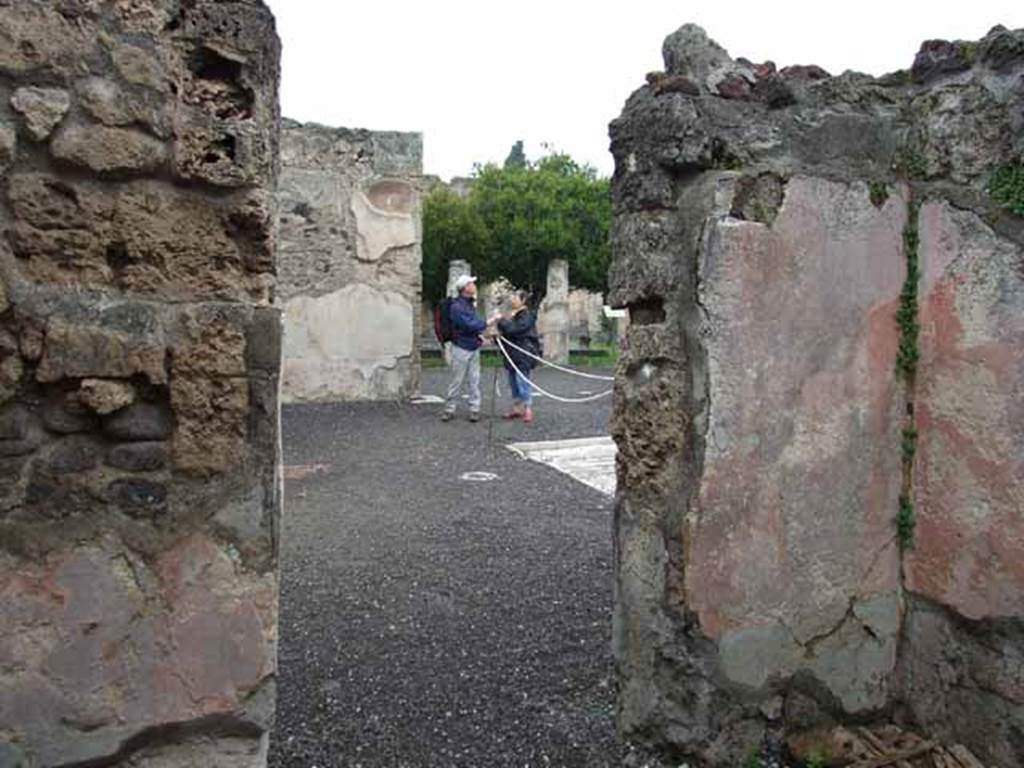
x=456, y=269
x=461, y=186
x=780, y=432
x=553, y=313
x=139, y=359
x=586, y=313
x=350, y=280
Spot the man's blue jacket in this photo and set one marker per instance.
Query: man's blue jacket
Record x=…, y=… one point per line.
x=466, y=326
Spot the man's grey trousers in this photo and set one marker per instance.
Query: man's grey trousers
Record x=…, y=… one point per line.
x=465, y=370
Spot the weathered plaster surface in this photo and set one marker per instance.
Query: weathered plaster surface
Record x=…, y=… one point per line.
x=323, y=363
x=350, y=262
x=970, y=473
x=782, y=544
x=759, y=242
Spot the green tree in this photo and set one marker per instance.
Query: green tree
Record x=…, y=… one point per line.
x=451, y=230
x=516, y=157
x=516, y=220
x=550, y=209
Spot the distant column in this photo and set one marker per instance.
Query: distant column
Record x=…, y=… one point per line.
x=553, y=322
x=457, y=267
x=487, y=298
x=493, y=296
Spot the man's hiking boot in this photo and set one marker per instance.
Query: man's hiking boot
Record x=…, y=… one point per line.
x=474, y=417
x=447, y=416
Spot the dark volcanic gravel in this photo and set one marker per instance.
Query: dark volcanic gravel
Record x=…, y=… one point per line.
x=429, y=621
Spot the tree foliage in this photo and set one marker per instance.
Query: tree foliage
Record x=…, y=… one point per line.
x=518, y=218
x=452, y=229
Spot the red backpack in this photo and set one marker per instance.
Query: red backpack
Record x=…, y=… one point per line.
x=443, y=321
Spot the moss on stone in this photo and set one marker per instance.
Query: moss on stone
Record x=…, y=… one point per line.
x=969, y=52
x=906, y=316
x=909, y=163
x=759, y=198
x=878, y=191
x=907, y=357
x=906, y=522
x=909, y=443
x=1007, y=187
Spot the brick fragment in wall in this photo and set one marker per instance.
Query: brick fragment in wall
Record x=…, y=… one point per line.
x=141, y=237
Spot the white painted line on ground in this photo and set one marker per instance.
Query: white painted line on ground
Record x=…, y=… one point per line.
x=590, y=460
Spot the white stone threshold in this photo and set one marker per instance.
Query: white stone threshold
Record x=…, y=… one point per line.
x=589, y=460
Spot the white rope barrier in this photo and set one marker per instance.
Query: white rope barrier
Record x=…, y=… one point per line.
x=538, y=388
x=557, y=367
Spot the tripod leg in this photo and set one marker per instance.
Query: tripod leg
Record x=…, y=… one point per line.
x=494, y=405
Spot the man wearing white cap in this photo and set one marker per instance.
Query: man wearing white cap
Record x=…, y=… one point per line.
x=466, y=341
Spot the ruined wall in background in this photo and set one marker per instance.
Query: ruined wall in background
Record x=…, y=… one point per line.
x=553, y=313
x=586, y=310
x=350, y=280
x=139, y=360
x=780, y=432
x=493, y=297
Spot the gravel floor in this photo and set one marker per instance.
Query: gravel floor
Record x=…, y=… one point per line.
x=428, y=621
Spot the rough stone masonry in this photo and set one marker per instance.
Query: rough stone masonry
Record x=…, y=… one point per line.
x=819, y=412
x=350, y=279
x=139, y=360
x=553, y=316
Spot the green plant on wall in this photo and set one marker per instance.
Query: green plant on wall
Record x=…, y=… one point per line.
x=909, y=443
x=1007, y=187
x=969, y=52
x=907, y=357
x=909, y=163
x=906, y=316
x=878, y=191
x=906, y=522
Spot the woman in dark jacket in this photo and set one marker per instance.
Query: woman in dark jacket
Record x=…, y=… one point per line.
x=519, y=327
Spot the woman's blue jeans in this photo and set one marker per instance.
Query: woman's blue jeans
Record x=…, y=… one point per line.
x=521, y=391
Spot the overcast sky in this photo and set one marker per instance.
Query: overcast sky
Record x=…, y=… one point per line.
x=475, y=76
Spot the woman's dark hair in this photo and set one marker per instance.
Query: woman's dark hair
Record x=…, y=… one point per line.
x=523, y=295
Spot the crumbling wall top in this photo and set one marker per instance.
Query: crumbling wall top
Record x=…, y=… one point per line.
x=353, y=150
x=954, y=115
